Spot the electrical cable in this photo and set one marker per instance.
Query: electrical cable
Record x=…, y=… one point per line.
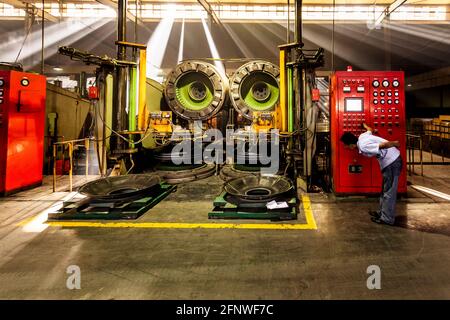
x=25, y=38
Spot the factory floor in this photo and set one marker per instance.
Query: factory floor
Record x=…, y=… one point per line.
x=174, y=251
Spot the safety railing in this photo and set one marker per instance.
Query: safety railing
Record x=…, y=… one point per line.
x=70, y=144
x=412, y=140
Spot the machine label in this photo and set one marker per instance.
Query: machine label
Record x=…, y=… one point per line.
x=355, y=168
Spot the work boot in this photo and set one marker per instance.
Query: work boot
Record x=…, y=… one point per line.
x=375, y=214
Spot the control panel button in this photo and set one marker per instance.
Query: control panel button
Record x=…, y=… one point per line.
x=360, y=89
x=385, y=83
x=396, y=93
x=347, y=89
x=376, y=83
x=389, y=101
x=375, y=101
x=2, y=82
x=375, y=94
x=1, y=93
x=396, y=101
x=389, y=94
x=382, y=101
x=395, y=83
x=382, y=93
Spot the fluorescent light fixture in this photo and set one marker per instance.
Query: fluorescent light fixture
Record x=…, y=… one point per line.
x=409, y=85
x=58, y=69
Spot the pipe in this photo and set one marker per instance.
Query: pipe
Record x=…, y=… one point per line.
x=120, y=122
x=132, y=106
x=42, y=38
x=283, y=90
x=121, y=27
x=142, y=107
x=290, y=101
x=298, y=22
x=288, y=35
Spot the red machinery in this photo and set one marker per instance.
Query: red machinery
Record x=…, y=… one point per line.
x=22, y=121
x=376, y=98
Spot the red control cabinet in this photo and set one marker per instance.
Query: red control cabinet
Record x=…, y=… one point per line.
x=22, y=121
x=376, y=98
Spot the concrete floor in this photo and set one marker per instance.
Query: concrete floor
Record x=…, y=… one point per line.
x=165, y=263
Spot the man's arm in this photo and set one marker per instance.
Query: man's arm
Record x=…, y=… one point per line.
x=367, y=127
x=389, y=144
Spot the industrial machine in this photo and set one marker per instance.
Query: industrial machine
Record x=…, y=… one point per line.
x=376, y=98
x=273, y=103
x=22, y=121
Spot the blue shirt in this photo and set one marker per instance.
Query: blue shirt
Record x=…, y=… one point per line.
x=369, y=146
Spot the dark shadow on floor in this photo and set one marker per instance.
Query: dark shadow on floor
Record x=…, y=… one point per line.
x=423, y=226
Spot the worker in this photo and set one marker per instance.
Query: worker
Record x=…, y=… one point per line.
x=390, y=161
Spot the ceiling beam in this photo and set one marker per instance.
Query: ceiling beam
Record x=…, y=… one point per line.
x=21, y=5
x=207, y=6
x=388, y=10
x=130, y=15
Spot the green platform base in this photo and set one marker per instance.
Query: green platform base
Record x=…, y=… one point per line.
x=223, y=209
x=87, y=209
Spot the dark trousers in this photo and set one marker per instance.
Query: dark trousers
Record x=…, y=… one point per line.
x=388, y=196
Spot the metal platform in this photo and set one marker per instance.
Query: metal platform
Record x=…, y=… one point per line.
x=95, y=209
x=228, y=207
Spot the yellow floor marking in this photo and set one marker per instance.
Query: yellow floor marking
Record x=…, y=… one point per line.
x=309, y=225
x=310, y=221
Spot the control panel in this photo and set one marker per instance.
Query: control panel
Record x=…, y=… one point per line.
x=377, y=99
x=22, y=122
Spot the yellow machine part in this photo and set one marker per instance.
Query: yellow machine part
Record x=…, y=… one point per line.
x=263, y=121
x=161, y=121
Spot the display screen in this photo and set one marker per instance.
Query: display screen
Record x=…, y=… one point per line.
x=354, y=105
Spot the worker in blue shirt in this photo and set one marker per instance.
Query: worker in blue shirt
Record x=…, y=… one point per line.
x=391, y=166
